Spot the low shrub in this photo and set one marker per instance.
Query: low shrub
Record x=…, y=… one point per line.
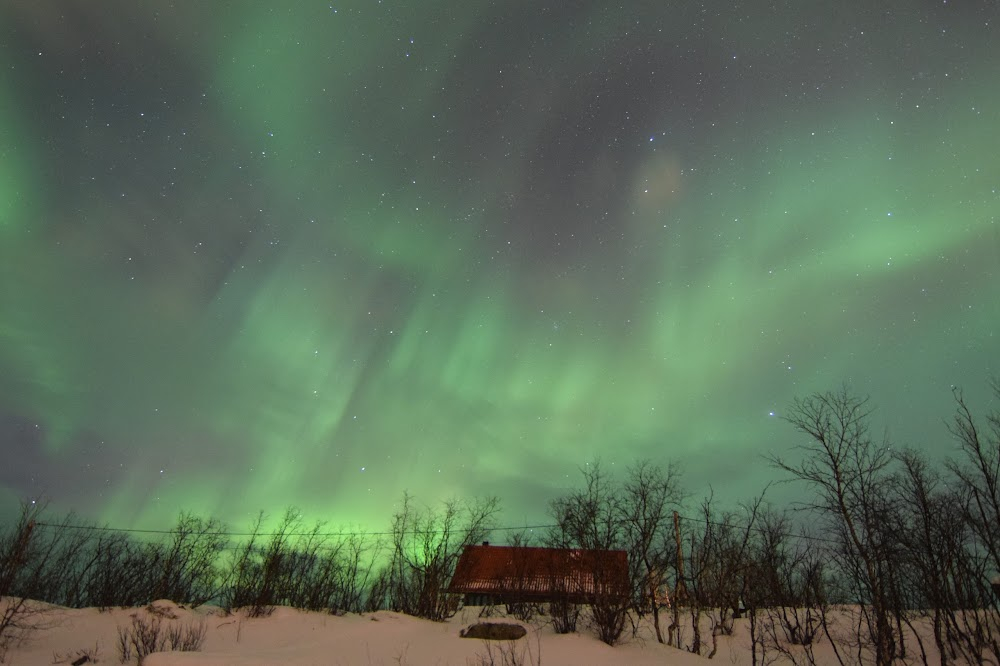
x=148, y=634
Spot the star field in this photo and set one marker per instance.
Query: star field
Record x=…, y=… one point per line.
x=255, y=255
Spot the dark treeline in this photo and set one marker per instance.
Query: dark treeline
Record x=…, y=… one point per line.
x=886, y=540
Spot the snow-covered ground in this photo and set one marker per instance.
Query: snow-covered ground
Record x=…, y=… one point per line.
x=290, y=636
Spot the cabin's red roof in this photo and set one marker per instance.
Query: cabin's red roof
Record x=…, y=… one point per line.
x=541, y=573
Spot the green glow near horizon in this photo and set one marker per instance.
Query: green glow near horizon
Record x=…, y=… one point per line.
x=337, y=265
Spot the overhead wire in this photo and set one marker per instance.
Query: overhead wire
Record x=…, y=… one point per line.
x=363, y=533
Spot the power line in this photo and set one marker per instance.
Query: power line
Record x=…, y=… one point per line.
x=126, y=530
x=343, y=533
x=761, y=530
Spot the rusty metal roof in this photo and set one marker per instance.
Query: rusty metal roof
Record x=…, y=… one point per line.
x=530, y=572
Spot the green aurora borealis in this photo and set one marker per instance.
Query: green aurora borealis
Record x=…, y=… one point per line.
x=255, y=255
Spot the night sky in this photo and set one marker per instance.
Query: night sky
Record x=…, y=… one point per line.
x=255, y=255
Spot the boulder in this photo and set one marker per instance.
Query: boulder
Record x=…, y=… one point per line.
x=494, y=631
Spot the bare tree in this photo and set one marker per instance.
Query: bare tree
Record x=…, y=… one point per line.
x=978, y=472
x=732, y=559
x=698, y=565
x=930, y=528
x=189, y=571
x=29, y=553
x=846, y=469
x=122, y=571
x=787, y=601
x=649, y=494
x=717, y=556
x=256, y=569
x=590, y=517
x=426, y=545
x=355, y=559
x=594, y=518
x=764, y=580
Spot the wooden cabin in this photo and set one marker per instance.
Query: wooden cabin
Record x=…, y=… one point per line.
x=515, y=574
